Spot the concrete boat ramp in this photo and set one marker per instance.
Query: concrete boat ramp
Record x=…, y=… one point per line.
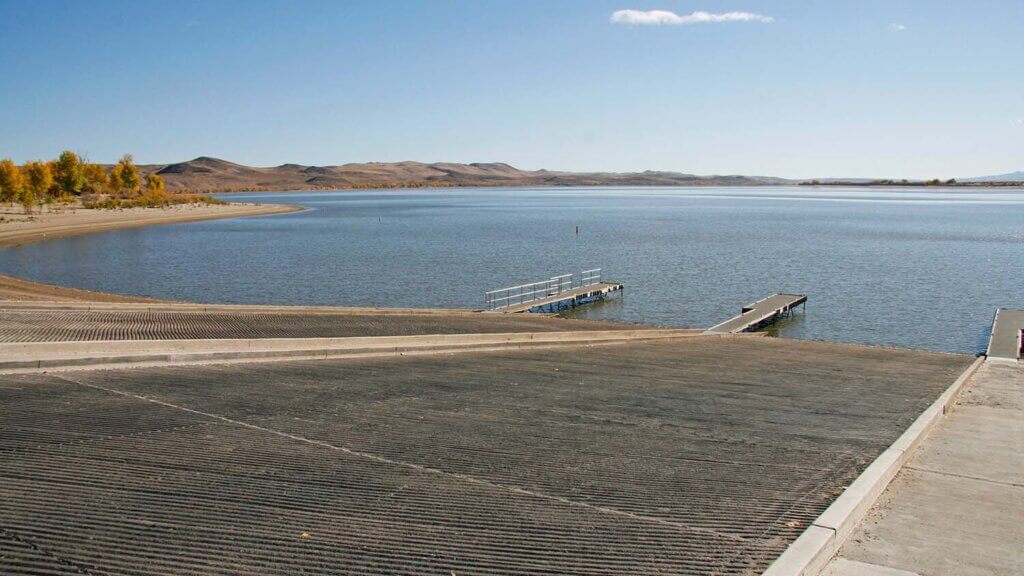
x=956, y=506
x=445, y=443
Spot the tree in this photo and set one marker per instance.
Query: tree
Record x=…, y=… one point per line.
x=54, y=189
x=11, y=181
x=39, y=179
x=129, y=174
x=69, y=174
x=95, y=178
x=114, y=181
x=27, y=199
x=154, y=183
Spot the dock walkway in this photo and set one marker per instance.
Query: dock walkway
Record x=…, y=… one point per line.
x=567, y=299
x=551, y=295
x=764, y=311
x=1006, y=334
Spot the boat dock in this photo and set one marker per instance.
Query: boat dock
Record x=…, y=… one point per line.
x=758, y=314
x=1007, y=341
x=552, y=295
x=568, y=299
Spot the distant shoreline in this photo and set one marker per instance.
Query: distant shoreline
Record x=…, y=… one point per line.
x=19, y=231
x=898, y=184
x=982, y=185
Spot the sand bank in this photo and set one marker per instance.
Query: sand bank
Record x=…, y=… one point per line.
x=17, y=229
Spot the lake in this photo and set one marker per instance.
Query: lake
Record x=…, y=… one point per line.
x=911, y=268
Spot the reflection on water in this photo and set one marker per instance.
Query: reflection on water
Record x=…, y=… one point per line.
x=912, y=268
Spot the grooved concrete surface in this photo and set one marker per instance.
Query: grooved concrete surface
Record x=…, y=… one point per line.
x=957, y=506
x=78, y=325
x=695, y=456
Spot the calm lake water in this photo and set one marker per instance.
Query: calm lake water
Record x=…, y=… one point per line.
x=906, y=268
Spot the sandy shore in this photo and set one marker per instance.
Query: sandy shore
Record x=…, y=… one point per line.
x=17, y=229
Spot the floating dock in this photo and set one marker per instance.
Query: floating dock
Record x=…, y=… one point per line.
x=1007, y=338
x=761, y=313
x=552, y=295
x=568, y=299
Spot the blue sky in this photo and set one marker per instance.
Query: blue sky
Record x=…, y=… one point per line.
x=865, y=88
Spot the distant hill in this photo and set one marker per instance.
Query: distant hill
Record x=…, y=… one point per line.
x=205, y=173
x=1011, y=177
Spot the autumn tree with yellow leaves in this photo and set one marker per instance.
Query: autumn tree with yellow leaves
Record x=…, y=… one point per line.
x=38, y=180
x=127, y=173
x=11, y=181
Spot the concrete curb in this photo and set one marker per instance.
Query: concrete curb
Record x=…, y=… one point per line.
x=811, y=552
x=38, y=357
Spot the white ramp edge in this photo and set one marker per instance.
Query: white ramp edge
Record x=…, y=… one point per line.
x=811, y=552
x=53, y=356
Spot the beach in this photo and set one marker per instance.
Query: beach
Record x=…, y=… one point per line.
x=18, y=228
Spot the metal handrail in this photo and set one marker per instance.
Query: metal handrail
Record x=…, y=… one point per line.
x=507, y=297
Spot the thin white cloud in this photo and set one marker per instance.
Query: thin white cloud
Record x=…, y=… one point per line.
x=897, y=27
x=659, y=17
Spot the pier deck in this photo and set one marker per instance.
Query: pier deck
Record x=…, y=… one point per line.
x=710, y=459
x=759, y=313
x=1006, y=334
x=566, y=299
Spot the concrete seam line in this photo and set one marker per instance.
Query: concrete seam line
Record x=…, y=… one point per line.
x=809, y=556
x=411, y=465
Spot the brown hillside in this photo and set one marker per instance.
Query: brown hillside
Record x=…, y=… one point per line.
x=206, y=173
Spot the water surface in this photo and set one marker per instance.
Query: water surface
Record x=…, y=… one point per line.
x=921, y=269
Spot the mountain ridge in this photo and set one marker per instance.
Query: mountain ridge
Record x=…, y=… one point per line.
x=215, y=174
x=1017, y=176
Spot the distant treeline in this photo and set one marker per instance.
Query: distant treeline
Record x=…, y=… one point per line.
x=905, y=182
x=68, y=179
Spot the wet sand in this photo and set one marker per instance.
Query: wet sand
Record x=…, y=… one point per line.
x=17, y=229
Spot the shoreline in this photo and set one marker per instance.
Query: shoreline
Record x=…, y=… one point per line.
x=1011, y=187
x=82, y=221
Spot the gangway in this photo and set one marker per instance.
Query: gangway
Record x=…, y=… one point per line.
x=553, y=294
